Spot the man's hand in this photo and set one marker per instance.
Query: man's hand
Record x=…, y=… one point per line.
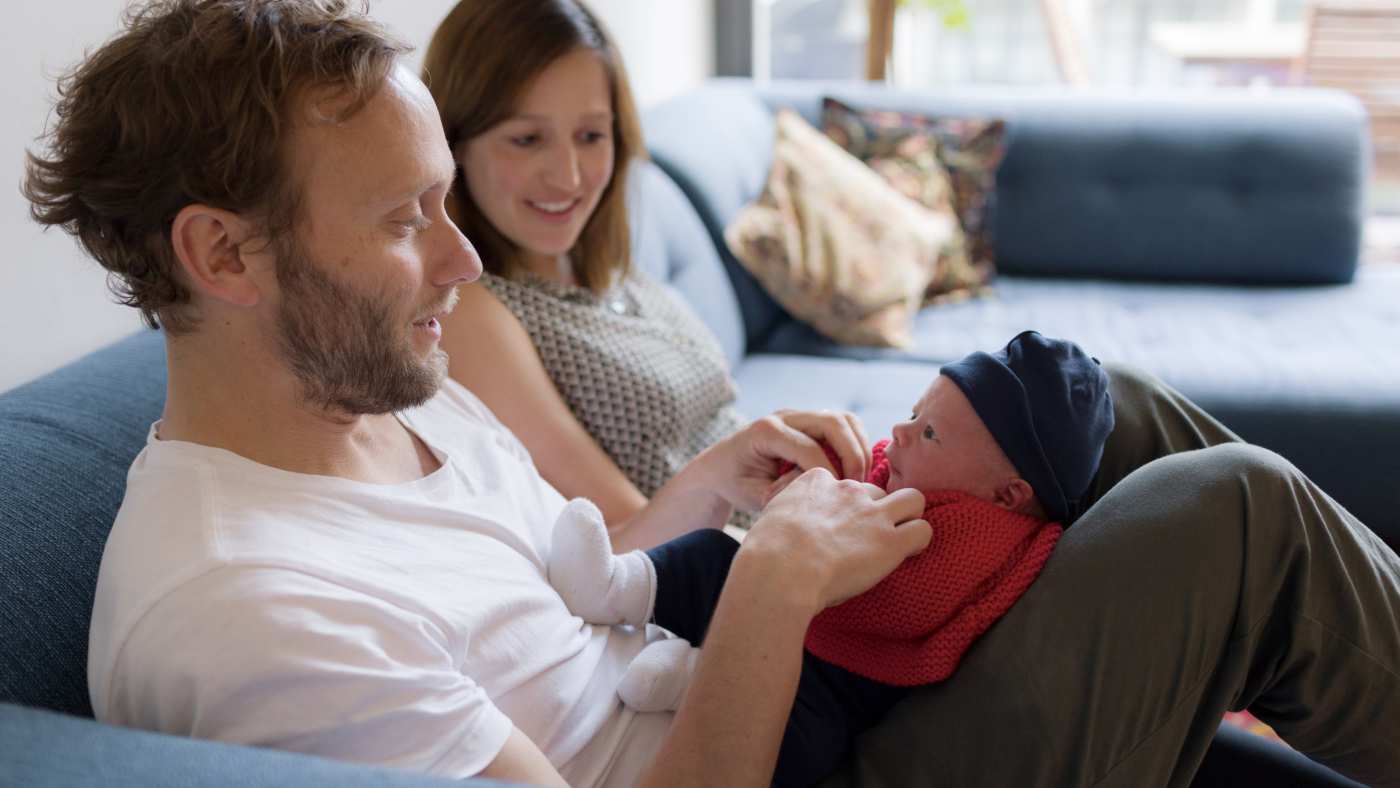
x=819, y=542
x=745, y=465
x=838, y=538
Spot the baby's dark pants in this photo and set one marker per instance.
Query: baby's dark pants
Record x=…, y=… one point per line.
x=832, y=704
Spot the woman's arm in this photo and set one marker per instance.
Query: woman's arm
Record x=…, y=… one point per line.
x=491, y=354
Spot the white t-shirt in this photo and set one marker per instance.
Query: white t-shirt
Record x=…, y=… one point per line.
x=405, y=625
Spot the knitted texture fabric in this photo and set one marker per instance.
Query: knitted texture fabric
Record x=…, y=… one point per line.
x=914, y=626
x=637, y=368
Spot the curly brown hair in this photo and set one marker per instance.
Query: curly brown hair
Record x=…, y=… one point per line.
x=481, y=60
x=192, y=102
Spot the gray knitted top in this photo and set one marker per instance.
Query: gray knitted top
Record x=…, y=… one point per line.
x=638, y=369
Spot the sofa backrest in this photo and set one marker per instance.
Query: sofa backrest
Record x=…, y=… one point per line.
x=716, y=144
x=64, y=453
x=670, y=243
x=1207, y=187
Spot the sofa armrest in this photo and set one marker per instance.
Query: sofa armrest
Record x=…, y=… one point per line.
x=42, y=748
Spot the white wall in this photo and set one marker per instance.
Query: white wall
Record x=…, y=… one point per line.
x=54, y=304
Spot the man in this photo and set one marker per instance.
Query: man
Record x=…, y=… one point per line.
x=301, y=317
x=324, y=547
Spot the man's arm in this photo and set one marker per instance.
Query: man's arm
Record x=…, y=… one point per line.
x=520, y=761
x=820, y=541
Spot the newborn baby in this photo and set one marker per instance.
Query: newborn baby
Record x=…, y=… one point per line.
x=1002, y=445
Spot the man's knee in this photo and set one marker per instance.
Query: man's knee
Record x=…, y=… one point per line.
x=1244, y=461
x=1214, y=482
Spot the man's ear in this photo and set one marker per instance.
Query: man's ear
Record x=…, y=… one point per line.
x=207, y=242
x=1016, y=494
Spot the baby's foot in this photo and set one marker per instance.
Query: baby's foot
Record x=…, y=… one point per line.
x=658, y=677
x=596, y=585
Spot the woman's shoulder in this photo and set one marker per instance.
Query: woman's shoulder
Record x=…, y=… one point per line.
x=481, y=303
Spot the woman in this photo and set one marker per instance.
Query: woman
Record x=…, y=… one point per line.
x=611, y=383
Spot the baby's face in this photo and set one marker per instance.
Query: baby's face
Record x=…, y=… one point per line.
x=945, y=446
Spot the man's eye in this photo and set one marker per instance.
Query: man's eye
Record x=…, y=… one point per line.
x=525, y=140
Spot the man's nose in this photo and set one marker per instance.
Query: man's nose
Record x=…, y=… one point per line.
x=458, y=261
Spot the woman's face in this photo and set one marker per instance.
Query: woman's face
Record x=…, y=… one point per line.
x=538, y=175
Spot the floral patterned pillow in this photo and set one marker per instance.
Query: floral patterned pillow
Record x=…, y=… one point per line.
x=839, y=247
x=943, y=163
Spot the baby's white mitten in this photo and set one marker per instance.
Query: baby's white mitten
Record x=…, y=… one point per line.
x=597, y=586
x=659, y=676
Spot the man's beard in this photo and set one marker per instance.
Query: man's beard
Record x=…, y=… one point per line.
x=348, y=349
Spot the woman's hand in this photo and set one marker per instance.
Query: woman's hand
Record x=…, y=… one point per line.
x=746, y=464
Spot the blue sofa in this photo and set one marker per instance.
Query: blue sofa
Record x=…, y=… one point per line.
x=1212, y=241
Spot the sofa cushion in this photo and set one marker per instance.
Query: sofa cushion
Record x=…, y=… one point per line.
x=881, y=393
x=717, y=145
x=66, y=441
x=669, y=243
x=839, y=247
x=47, y=750
x=945, y=164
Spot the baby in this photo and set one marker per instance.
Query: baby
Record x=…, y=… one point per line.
x=1002, y=445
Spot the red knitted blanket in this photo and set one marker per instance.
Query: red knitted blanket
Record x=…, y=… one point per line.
x=915, y=625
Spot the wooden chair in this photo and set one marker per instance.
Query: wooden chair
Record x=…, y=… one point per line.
x=1354, y=45
x=881, y=41
x=1065, y=43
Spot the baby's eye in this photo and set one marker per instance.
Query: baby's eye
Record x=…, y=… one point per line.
x=913, y=416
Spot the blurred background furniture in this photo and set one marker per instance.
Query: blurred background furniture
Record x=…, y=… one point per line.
x=1256, y=48
x=1354, y=45
x=1065, y=42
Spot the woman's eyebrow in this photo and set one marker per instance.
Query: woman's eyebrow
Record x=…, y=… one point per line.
x=539, y=118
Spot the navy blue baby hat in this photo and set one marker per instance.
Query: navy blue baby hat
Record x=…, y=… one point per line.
x=1046, y=402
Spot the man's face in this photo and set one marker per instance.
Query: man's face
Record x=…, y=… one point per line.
x=945, y=446
x=375, y=262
